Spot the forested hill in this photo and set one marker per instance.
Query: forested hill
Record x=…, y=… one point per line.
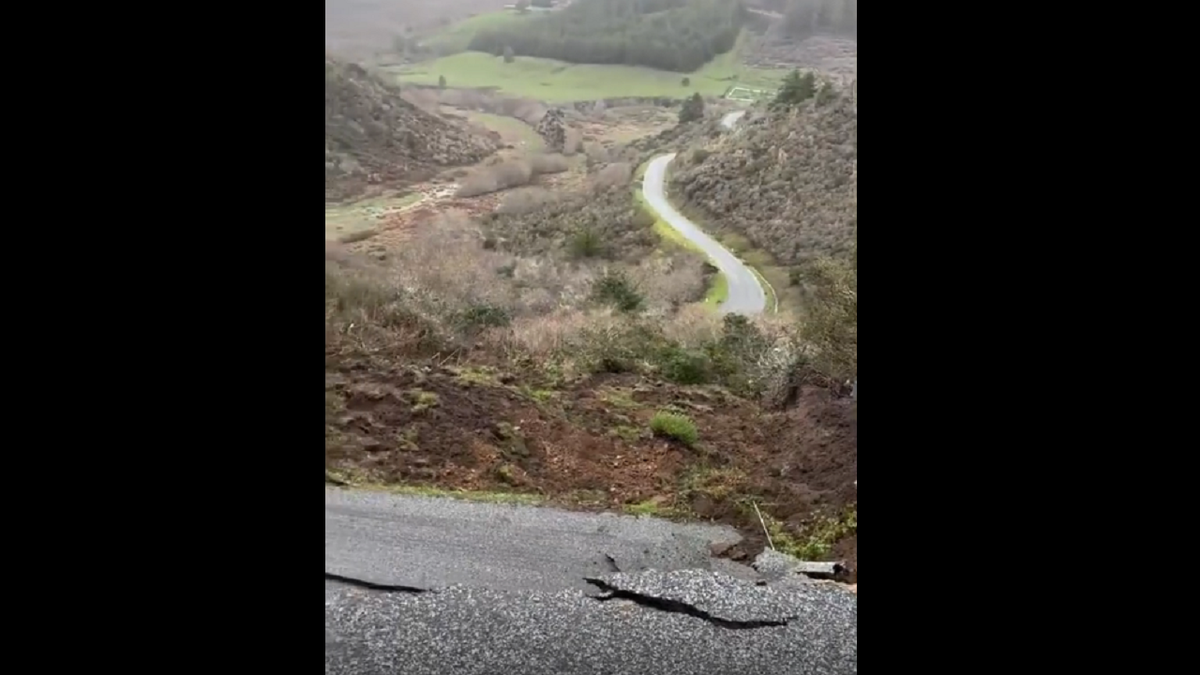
x=679, y=35
x=807, y=17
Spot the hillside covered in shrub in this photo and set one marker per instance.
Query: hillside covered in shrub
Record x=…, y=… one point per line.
x=373, y=135
x=787, y=180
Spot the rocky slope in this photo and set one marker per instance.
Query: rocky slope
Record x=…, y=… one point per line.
x=374, y=136
x=787, y=180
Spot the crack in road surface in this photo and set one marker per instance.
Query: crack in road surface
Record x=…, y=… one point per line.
x=678, y=607
x=373, y=586
x=432, y=586
x=746, y=294
x=712, y=596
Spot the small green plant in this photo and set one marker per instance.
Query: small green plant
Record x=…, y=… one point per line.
x=644, y=508
x=817, y=539
x=586, y=243
x=441, y=81
x=686, y=81
x=675, y=426
x=626, y=433
x=505, y=474
x=616, y=289
x=484, y=316
x=423, y=400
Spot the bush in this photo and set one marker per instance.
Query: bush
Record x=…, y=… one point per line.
x=613, y=175
x=616, y=289
x=586, y=243
x=687, y=82
x=484, y=316
x=572, y=141
x=524, y=201
x=683, y=366
x=675, y=426
x=548, y=163
x=500, y=176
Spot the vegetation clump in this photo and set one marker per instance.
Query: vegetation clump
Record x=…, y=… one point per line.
x=674, y=426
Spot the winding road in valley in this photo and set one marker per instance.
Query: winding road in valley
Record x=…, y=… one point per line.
x=746, y=294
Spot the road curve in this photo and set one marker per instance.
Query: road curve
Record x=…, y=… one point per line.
x=746, y=295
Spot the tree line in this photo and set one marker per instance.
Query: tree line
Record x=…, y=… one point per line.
x=802, y=18
x=806, y=17
x=679, y=35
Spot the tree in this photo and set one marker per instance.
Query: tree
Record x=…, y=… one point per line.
x=508, y=54
x=441, y=81
x=687, y=82
x=796, y=89
x=693, y=109
x=831, y=323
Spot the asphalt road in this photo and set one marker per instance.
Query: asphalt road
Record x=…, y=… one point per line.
x=459, y=588
x=426, y=542
x=746, y=295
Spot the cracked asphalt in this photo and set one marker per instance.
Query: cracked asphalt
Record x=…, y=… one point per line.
x=519, y=590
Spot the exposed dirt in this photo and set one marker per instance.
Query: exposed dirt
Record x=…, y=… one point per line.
x=373, y=136
x=588, y=445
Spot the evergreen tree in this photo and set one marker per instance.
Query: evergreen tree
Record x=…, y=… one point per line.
x=693, y=109
x=796, y=89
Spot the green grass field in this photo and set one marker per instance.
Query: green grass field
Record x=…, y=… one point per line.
x=348, y=221
x=511, y=130
x=550, y=80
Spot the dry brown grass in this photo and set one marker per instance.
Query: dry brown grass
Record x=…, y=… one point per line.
x=612, y=176
x=508, y=174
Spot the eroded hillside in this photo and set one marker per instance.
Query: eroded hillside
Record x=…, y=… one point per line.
x=373, y=136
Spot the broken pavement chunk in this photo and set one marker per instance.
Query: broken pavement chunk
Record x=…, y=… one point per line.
x=775, y=565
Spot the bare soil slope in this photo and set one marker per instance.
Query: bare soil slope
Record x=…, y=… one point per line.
x=372, y=135
x=588, y=445
x=786, y=180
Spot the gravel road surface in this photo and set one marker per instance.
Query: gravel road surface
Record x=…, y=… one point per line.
x=420, y=586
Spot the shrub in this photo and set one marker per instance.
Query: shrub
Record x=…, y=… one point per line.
x=500, y=176
x=484, y=316
x=615, y=288
x=684, y=366
x=549, y=163
x=586, y=243
x=675, y=426
x=613, y=175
